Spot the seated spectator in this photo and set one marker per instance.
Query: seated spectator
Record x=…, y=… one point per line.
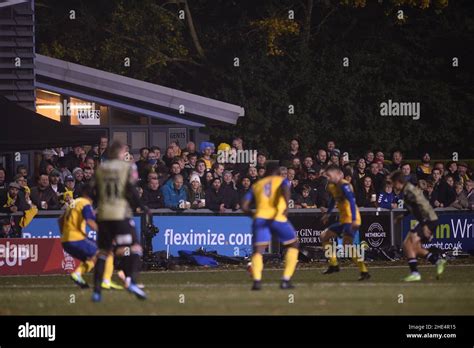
x=386, y=198
x=13, y=200
x=175, y=196
x=304, y=200
x=152, y=196
x=197, y=197
x=8, y=230
x=215, y=199
x=424, y=169
x=366, y=195
x=460, y=202
x=43, y=196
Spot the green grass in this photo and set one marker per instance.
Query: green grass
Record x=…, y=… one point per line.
x=227, y=292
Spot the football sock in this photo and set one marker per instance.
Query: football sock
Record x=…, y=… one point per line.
x=413, y=265
x=136, y=266
x=109, y=268
x=432, y=257
x=291, y=259
x=329, y=246
x=361, y=264
x=257, y=266
x=99, y=272
x=84, y=267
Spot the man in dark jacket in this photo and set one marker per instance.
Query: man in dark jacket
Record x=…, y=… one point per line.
x=13, y=200
x=215, y=197
x=152, y=197
x=231, y=197
x=43, y=196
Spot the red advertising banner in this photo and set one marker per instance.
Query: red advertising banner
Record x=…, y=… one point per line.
x=23, y=256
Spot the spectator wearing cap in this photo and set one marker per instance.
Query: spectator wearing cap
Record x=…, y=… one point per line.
x=13, y=200
x=397, y=158
x=69, y=192
x=424, y=169
x=55, y=182
x=317, y=184
x=175, y=196
x=197, y=196
x=152, y=196
x=215, y=199
x=3, y=176
x=464, y=174
x=78, y=175
x=287, y=159
x=43, y=195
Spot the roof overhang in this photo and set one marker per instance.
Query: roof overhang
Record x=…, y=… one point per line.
x=139, y=91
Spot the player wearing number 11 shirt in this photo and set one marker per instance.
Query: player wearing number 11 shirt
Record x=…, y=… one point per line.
x=116, y=193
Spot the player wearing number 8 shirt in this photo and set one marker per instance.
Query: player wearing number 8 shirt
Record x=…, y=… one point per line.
x=116, y=193
x=271, y=195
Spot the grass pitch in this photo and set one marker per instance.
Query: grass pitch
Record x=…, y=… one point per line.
x=226, y=292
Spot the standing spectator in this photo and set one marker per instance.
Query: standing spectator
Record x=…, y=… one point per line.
x=3, y=183
x=331, y=146
x=73, y=158
x=88, y=174
x=231, y=197
x=197, y=196
x=63, y=170
x=261, y=172
x=322, y=158
x=215, y=197
x=99, y=153
x=359, y=172
x=142, y=162
x=397, y=158
x=460, y=202
x=252, y=174
x=175, y=196
x=452, y=169
x=386, y=198
x=89, y=162
x=261, y=159
x=294, y=152
x=369, y=157
x=463, y=170
x=296, y=165
x=207, y=155
x=168, y=158
x=176, y=149
x=431, y=195
x=424, y=169
x=440, y=167
x=152, y=197
x=218, y=170
x=190, y=165
x=334, y=157
x=366, y=195
x=439, y=188
x=408, y=176
x=208, y=178
x=70, y=192
x=55, y=182
x=191, y=148
x=308, y=163
x=43, y=195
x=245, y=185
x=470, y=194
x=12, y=200
x=305, y=200
x=449, y=192
x=47, y=159
x=377, y=177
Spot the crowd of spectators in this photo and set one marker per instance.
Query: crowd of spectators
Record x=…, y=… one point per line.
x=194, y=178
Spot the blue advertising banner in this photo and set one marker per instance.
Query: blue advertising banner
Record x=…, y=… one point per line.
x=454, y=231
x=228, y=235
x=47, y=227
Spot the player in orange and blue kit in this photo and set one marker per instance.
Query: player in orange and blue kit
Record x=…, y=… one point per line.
x=348, y=225
x=271, y=195
x=75, y=242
